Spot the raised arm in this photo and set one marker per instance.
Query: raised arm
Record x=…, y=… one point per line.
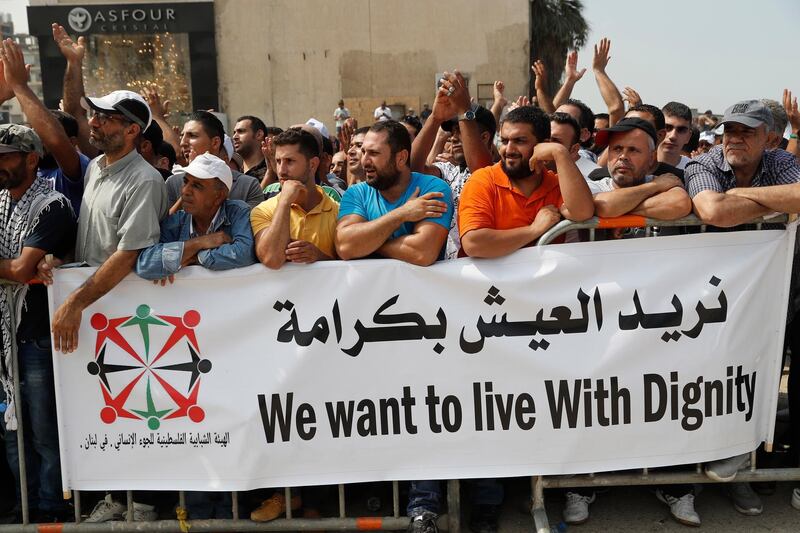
x=73, y=84
x=40, y=118
x=498, y=92
x=159, y=111
x=790, y=104
x=609, y=92
x=540, y=84
x=571, y=77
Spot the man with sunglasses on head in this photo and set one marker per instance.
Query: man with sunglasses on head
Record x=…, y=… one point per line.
x=678, y=125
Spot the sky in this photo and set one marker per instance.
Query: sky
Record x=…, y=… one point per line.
x=705, y=54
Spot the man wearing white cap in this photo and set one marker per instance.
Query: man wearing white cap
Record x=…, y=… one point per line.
x=210, y=231
x=123, y=203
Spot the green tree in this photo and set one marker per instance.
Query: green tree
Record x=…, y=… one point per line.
x=556, y=27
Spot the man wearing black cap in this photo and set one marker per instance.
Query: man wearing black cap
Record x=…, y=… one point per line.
x=472, y=128
x=631, y=189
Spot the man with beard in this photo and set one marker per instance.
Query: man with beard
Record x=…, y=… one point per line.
x=203, y=132
x=248, y=134
x=472, y=129
x=396, y=213
x=123, y=203
x=34, y=221
x=61, y=165
x=631, y=189
x=298, y=224
x=511, y=204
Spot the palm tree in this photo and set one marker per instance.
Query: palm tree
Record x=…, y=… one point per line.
x=556, y=27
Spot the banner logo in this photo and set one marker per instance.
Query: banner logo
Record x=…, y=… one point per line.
x=147, y=383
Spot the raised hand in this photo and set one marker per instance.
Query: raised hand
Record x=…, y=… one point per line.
x=498, y=91
x=72, y=51
x=601, y=57
x=571, y=68
x=153, y=99
x=632, y=97
x=790, y=104
x=15, y=71
x=540, y=83
x=452, y=98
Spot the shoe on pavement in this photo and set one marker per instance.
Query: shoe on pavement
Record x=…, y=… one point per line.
x=681, y=509
x=107, y=509
x=484, y=518
x=744, y=498
x=796, y=499
x=576, y=510
x=725, y=470
x=425, y=522
x=272, y=508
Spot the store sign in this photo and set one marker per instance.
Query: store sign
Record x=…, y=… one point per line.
x=113, y=20
x=130, y=18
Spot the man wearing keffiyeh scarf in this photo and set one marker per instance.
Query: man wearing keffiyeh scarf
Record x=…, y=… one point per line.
x=34, y=221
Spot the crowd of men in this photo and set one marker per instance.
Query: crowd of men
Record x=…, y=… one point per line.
x=108, y=182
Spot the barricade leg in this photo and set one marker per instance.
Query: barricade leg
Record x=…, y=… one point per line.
x=540, y=522
x=454, y=506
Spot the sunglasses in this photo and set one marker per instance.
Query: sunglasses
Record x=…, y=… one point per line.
x=102, y=118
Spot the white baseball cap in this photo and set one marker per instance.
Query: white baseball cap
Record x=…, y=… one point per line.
x=206, y=167
x=320, y=127
x=127, y=103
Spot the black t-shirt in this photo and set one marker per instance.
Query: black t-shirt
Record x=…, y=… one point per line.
x=662, y=168
x=54, y=233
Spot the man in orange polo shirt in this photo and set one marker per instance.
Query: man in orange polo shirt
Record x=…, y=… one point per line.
x=511, y=204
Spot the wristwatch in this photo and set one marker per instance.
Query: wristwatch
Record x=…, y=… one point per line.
x=469, y=114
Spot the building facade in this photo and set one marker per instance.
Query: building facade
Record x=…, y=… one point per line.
x=288, y=60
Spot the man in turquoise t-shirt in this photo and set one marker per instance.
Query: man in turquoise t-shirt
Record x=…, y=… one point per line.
x=396, y=213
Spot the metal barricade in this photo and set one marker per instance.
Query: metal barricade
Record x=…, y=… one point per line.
x=643, y=476
x=397, y=520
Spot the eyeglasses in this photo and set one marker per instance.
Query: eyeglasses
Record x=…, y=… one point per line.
x=102, y=118
x=680, y=129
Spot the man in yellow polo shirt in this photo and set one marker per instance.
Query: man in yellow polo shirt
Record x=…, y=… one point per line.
x=298, y=224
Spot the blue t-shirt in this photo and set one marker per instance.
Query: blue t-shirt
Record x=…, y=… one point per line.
x=72, y=189
x=367, y=202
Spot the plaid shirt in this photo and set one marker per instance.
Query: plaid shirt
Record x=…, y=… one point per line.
x=711, y=172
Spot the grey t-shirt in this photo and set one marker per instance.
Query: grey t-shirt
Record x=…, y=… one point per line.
x=123, y=205
x=245, y=188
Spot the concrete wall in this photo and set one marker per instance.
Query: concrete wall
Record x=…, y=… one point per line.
x=288, y=60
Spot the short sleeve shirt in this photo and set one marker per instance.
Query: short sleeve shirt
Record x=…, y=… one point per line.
x=72, y=189
x=489, y=200
x=456, y=177
x=317, y=226
x=123, y=205
x=367, y=202
x=711, y=172
x=55, y=234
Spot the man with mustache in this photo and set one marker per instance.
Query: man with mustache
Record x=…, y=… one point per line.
x=511, y=204
x=731, y=184
x=396, y=213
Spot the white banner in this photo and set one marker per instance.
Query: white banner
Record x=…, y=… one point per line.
x=563, y=359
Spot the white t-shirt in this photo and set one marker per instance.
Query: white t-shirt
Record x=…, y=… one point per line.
x=340, y=114
x=607, y=184
x=382, y=113
x=456, y=177
x=586, y=166
x=682, y=163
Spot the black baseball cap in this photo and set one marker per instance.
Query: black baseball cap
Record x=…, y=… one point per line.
x=626, y=124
